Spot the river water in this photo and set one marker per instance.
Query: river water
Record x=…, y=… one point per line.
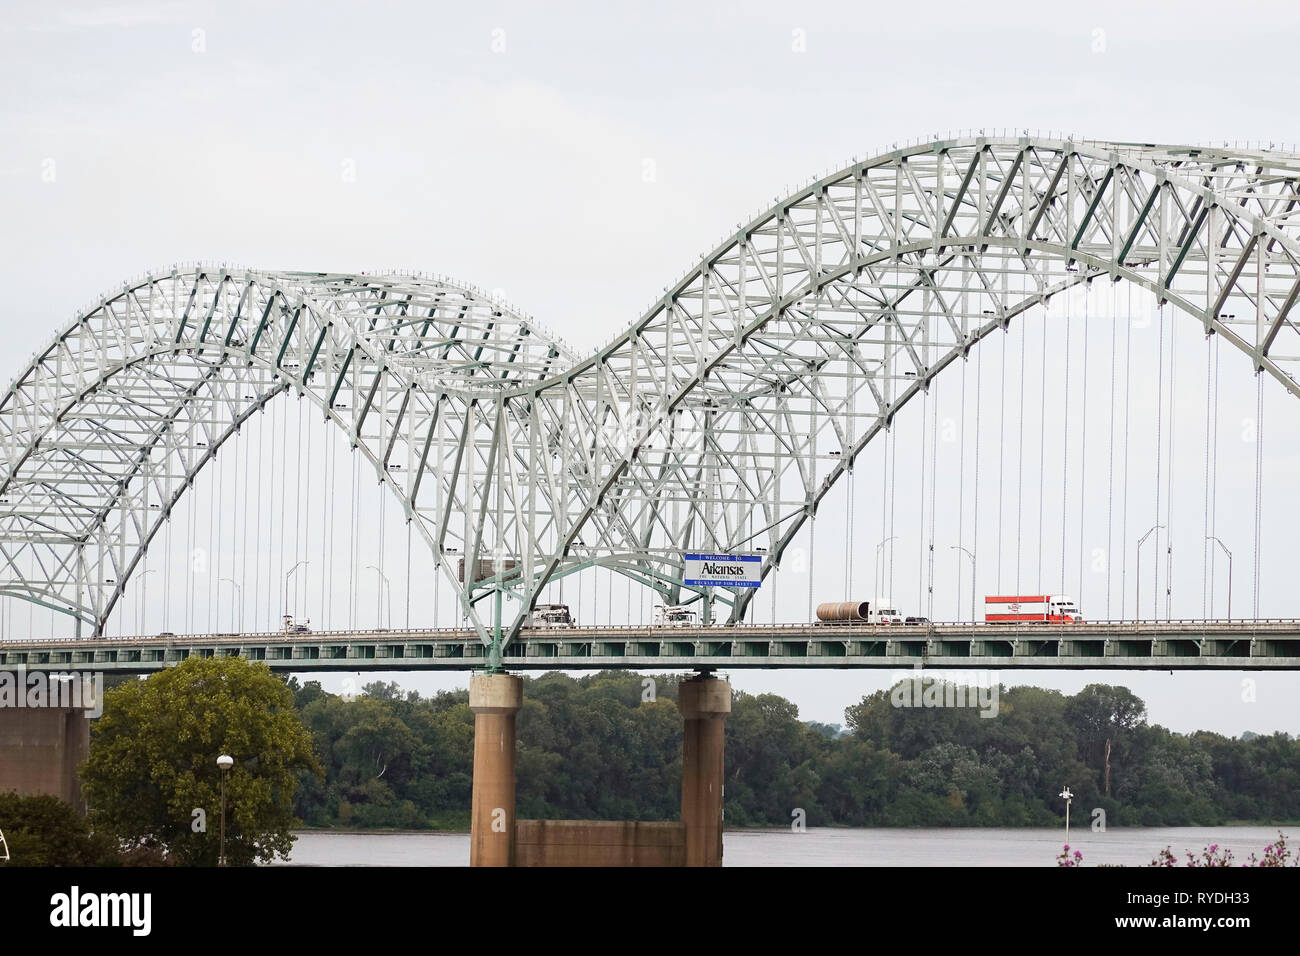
x=825, y=846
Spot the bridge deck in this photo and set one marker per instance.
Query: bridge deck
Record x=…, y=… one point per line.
x=1164, y=645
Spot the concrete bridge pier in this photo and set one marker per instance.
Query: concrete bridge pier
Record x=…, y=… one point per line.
x=495, y=700
x=41, y=749
x=704, y=703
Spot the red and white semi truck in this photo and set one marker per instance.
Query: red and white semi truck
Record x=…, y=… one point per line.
x=1031, y=609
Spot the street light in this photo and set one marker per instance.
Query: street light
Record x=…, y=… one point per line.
x=286, y=584
x=957, y=547
x=224, y=763
x=390, y=593
x=236, y=597
x=880, y=577
x=1137, y=574
x=144, y=594
x=1067, y=796
x=1229, y=554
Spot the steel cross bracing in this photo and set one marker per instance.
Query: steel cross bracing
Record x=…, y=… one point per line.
x=718, y=421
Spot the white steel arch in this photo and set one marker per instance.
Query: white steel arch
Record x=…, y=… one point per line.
x=797, y=340
x=718, y=421
x=110, y=424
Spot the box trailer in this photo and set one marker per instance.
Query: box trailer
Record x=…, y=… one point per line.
x=1031, y=609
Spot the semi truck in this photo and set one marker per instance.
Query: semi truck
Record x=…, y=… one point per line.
x=673, y=615
x=858, y=612
x=550, y=615
x=1031, y=609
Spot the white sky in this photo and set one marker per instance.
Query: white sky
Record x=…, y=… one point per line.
x=508, y=145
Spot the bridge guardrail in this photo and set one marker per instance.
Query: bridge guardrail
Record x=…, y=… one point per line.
x=938, y=629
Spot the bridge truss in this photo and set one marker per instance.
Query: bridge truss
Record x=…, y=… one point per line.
x=717, y=421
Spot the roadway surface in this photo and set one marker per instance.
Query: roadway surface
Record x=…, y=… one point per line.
x=1112, y=645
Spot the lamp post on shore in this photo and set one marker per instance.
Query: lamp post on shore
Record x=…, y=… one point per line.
x=1067, y=796
x=224, y=763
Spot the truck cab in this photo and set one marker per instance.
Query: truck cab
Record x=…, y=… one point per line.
x=551, y=615
x=673, y=615
x=884, y=613
x=1063, y=610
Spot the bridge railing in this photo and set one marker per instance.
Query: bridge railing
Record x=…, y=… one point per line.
x=1166, y=625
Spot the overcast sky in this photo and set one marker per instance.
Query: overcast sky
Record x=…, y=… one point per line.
x=575, y=157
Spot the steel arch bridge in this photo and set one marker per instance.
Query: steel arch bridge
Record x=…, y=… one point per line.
x=717, y=421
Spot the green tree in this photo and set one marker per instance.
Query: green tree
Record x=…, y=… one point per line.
x=42, y=830
x=1105, y=719
x=152, y=777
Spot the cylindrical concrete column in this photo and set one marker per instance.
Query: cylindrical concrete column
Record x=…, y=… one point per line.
x=495, y=699
x=704, y=703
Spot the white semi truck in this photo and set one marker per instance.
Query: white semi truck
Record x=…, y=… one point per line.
x=550, y=615
x=1031, y=609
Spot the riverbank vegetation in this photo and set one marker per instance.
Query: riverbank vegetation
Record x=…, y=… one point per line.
x=607, y=746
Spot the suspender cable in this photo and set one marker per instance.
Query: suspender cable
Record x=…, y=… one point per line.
x=352, y=541
x=1065, y=442
x=262, y=461
x=212, y=560
x=893, y=485
x=961, y=480
x=1259, y=476
x=1214, y=469
x=1002, y=432
x=218, y=551
x=167, y=567
x=920, y=535
x=1128, y=406
x=812, y=550
x=243, y=536
x=326, y=527
x=934, y=481
x=300, y=581
x=1083, y=441
x=191, y=518
x=1205, y=531
x=1042, y=440
x=1020, y=449
x=1169, y=471
x=1110, y=456
x=284, y=492
x=879, y=581
x=379, y=589
x=848, y=538
x=305, y=513
x=850, y=429
x=975, y=494
x=236, y=555
x=1160, y=400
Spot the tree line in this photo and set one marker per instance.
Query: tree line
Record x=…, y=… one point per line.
x=608, y=746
